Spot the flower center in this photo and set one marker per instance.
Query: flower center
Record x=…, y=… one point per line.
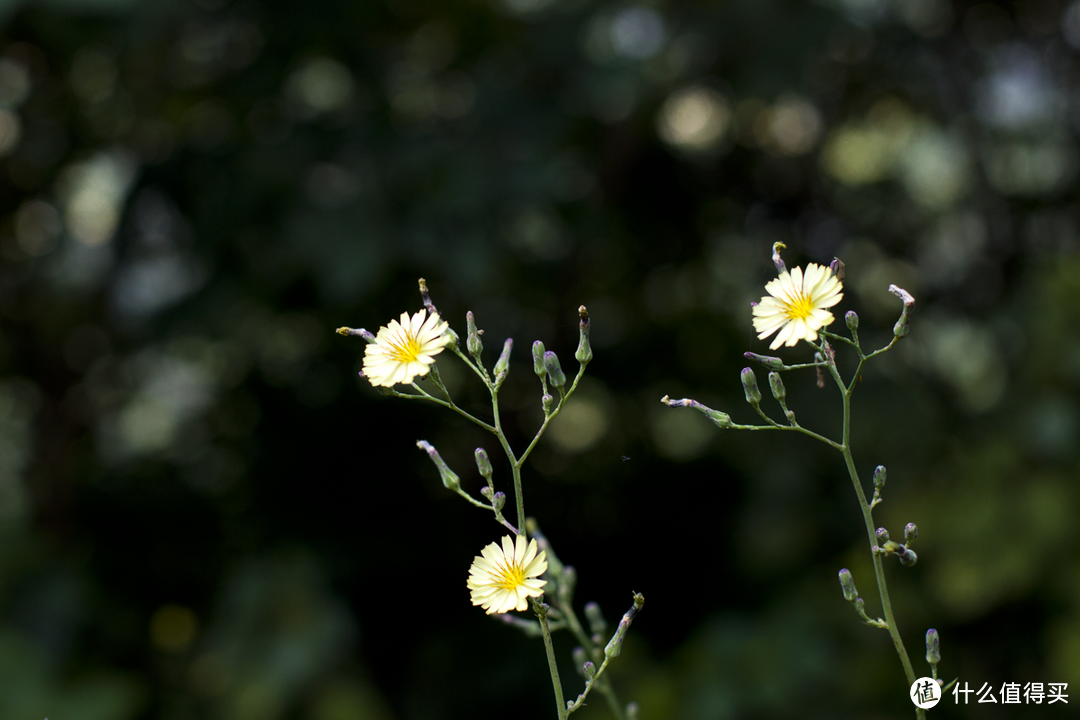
x=510, y=576
x=799, y=308
x=407, y=351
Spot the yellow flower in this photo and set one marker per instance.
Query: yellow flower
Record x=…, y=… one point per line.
x=796, y=305
x=501, y=579
x=405, y=349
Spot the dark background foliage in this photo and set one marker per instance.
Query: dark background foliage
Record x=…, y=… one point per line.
x=204, y=513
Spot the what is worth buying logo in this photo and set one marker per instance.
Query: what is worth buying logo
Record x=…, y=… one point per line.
x=926, y=693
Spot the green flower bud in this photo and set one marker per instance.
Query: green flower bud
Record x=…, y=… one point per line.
x=597, y=623
x=473, y=343
x=546, y=402
x=847, y=584
x=933, y=647
x=910, y=533
x=901, y=328
x=770, y=362
x=584, y=348
x=837, y=267
x=487, y=492
x=777, y=386
x=614, y=646
x=580, y=658
x=538, y=359
x=852, y=320
x=483, y=464
x=749, y=383
x=879, y=477
x=720, y=419
x=882, y=536
x=907, y=556
x=588, y=670
x=450, y=479
x=502, y=366
x=554, y=370
x=498, y=500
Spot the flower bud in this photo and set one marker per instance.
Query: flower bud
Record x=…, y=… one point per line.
x=546, y=402
x=487, y=492
x=584, y=348
x=879, y=477
x=777, y=386
x=449, y=478
x=356, y=331
x=483, y=464
x=538, y=359
x=772, y=363
x=502, y=366
x=779, y=263
x=588, y=670
x=901, y=328
x=580, y=657
x=554, y=370
x=910, y=533
x=473, y=343
x=597, y=623
x=720, y=419
x=498, y=500
x=847, y=584
x=837, y=267
x=852, y=320
x=882, y=536
x=749, y=383
x=933, y=647
x=614, y=646
x=907, y=556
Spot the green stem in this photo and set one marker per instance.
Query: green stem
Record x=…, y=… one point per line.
x=586, y=643
x=450, y=405
x=541, y=614
x=846, y=392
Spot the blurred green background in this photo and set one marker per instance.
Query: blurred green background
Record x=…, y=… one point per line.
x=204, y=513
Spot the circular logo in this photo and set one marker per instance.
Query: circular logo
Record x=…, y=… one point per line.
x=925, y=693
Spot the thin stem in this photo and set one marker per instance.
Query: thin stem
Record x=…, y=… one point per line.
x=431, y=398
x=846, y=392
x=541, y=614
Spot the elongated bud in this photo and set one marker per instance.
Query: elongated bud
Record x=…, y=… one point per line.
x=554, y=370
x=852, y=320
x=450, y=478
x=588, y=670
x=720, y=419
x=597, y=623
x=933, y=647
x=360, y=332
x=538, y=360
x=777, y=386
x=777, y=261
x=502, y=366
x=882, y=536
x=584, y=348
x=749, y=383
x=910, y=533
x=879, y=477
x=483, y=464
x=837, y=267
x=498, y=500
x=901, y=328
x=473, y=342
x=580, y=658
x=614, y=647
x=847, y=584
x=772, y=363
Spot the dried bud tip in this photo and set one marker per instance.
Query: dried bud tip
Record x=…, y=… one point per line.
x=837, y=267
x=903, y=294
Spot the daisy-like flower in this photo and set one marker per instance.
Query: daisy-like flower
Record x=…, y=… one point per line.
x=796, y=305
x=502, y=578
x=403, y=350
